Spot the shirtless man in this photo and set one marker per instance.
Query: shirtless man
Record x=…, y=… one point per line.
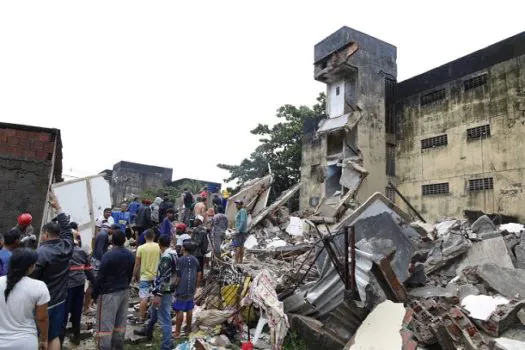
x=200, y=208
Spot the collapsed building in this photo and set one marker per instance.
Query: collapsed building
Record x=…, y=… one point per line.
x=449, y=139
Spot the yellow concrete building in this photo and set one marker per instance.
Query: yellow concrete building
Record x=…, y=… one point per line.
x=451, y=139
x=460, y=135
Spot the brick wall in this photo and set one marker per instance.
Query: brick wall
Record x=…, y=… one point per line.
x=26, y=155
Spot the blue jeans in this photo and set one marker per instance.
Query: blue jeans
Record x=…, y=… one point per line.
x=162, y=313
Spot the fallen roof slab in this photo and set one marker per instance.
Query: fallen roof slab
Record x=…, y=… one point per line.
x=254, y=195
x=508, y=282
x=285, y=196
x=492, y=250
x=380, y=235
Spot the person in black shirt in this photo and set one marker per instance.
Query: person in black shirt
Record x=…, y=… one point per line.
x=111, y=290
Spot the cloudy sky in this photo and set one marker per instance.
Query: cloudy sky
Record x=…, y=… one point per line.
x=181, y=83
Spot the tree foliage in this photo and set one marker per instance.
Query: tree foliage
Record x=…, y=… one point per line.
x=280, y=147
x=174, y=193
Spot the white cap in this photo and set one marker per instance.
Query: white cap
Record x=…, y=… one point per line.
x=199, y=217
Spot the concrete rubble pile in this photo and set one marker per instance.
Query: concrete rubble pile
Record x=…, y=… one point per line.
x=340, y=274
x=454, y=281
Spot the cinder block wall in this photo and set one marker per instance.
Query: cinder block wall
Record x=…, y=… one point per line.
x=25, y=166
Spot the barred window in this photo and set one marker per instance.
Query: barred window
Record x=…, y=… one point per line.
x=437, y=141
x=433, y=97
x=478, y=132
x=432, y=189
x=475, y=82
x=390, y=194
x=486, y=183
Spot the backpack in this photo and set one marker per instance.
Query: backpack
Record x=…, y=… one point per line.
x=155, y=215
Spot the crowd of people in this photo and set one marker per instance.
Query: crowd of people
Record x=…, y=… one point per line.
x=163, y=249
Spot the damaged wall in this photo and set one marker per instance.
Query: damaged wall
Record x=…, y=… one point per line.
x=492, y=99
x=354, y=66
x=131, y=179
x=26, y=165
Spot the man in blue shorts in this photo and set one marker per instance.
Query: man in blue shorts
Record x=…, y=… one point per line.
x=189, y=274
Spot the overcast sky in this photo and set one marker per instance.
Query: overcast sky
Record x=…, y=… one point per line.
x=181, y=83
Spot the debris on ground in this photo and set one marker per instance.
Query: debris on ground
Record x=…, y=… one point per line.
x=342, y=273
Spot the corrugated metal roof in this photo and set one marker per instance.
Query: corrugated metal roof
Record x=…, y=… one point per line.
x=328, y=292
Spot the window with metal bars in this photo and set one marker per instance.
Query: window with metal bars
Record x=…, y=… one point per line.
x=484, y=184
x=390, y=193
x=433, y=189
x=433, y=97
x=436, y=141
x=475, y=82
x=479, y=132
x=390, y=119
x=390, y=159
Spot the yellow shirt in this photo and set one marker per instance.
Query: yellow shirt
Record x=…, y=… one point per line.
x=149, y=254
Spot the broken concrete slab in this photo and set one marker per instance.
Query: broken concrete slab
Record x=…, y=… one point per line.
x=314, y=333
x=510, y=344
x=508, y=282
x=482, y=306
x=254, y=194
x=445, y=227
x=519, y=253
x=493, y=250
x=424, y=229
x=380, y=235
x=374, y=205
x=285, y=196
x=432, y=292
x=352, y=176
x=322, y=220
x=504, y=317
x=447, y=248
x=386, y=318
x=483, y=225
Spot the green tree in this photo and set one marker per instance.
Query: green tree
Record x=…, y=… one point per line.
x=280, y=147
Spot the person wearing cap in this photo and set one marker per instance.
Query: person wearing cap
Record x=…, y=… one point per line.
x=241, y=230
x=200, y=237
x=181, y=236
x=219, y=225
x=24, y=227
